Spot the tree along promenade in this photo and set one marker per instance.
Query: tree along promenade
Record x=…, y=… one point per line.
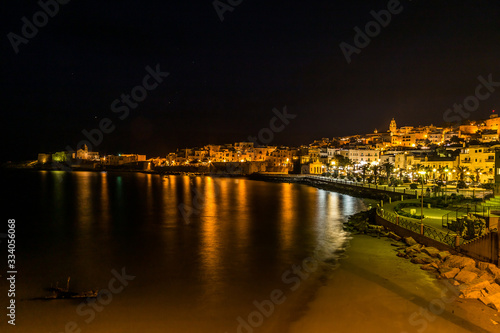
x=448, y=190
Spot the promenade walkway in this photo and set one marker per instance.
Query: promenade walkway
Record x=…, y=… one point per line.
x=405, y=189
x=432, y=216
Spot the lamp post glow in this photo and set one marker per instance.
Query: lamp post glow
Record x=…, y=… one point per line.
x=422, y=206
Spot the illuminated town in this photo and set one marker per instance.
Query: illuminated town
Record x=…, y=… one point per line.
x=460, y=154
x=250, y=167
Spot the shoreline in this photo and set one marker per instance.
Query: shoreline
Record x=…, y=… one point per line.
x=297, y=303
x=373, y=290
x=385, y=298
x=129, y=170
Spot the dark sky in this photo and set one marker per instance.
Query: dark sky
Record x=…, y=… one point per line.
x=226, y=77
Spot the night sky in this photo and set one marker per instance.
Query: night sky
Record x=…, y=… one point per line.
x=226, y=77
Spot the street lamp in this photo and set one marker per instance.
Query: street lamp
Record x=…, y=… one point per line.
x=422, y=206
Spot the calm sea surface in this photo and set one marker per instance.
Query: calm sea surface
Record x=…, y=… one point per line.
x=197, y=251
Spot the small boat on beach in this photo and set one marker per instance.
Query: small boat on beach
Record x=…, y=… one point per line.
x=64, y=293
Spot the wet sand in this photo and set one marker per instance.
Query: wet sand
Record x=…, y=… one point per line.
x=373, y=290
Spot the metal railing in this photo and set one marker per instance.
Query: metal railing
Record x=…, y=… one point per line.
x=386, y=188
x=463, y=210
x=444, y=191
x=454, y=215
x=410, y=225
x=448, y=238
x=442, y=237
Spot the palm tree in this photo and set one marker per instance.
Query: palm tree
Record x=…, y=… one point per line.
x=441, y=171
x=444, y=173
x=428, y=171
x=364, y=169
x=347, y=164
x=416, y=168
x=375, y=169
x=478, y=172
x=388, y=167
x=342, y=161
x=461, y=170
x=400, y=174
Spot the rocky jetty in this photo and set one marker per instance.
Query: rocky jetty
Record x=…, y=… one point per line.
x=473, y=279
x=363, y=222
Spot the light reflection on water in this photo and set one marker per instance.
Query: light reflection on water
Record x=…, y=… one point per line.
x=203, y=271
x=287, y=221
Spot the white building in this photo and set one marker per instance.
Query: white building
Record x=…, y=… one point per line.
x=362, y=155
x=85, y=154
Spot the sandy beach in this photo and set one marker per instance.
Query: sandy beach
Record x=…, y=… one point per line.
x=373, y=290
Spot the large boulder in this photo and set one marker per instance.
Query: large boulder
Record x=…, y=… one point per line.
x=476, y=284
x=442, y=255
x=473, y=289
x=486, y=276
x=493, y=270
x=492, y=296
x=414, y=248
x=402, y=255
x=410, y=241
x=412, y=254
x=431, y=251
x=468, y=290
x=493, y=301
x=465, y=276
x=449, y=273
x=482, y=265
x=460, y=262
x=429, y=267
x=473, y=293
x=421, y=259
x=492, y=289
x=394, y=236
x=375, y=227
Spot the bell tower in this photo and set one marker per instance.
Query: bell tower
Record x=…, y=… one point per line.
x=392, y=127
